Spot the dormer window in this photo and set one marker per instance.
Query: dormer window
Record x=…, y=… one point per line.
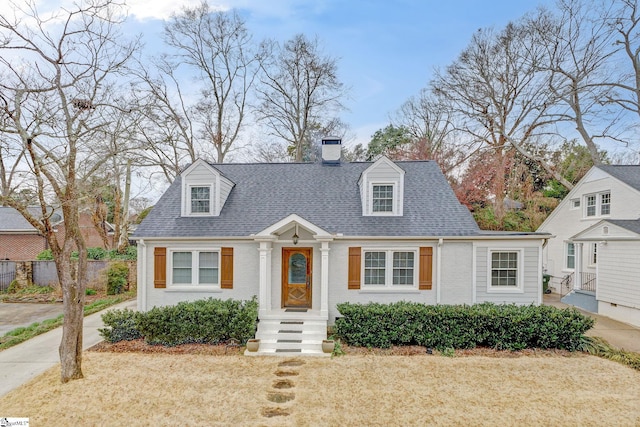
x=204, y=190
x=382, y=189
x=200, y=200
x=382, y=198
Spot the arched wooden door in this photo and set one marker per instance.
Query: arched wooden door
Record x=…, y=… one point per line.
x=296, y=277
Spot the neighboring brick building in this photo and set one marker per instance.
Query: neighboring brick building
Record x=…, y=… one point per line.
x=20, y=241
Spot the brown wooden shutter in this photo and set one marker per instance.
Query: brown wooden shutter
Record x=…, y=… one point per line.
x=355, y=264
x=226, y=268
x=160, y=268
x=426, y=268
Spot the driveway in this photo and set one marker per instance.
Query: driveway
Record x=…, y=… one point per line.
x=15, y=315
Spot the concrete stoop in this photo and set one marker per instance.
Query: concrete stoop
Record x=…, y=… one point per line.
x=582, y=299
x=290, y=337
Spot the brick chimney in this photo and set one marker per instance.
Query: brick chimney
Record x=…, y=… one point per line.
x=331, y=151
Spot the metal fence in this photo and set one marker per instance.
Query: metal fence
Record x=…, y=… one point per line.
x=7, y=274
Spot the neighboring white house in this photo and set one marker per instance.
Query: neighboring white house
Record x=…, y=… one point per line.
x=303, y=237
x=595, y=255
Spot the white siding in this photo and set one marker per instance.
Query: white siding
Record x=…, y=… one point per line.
x=566, y=222
x=619, y=273
x=457, y=273
x=532, y=275
x=382, y=171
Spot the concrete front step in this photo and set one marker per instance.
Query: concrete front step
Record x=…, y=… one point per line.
x=290, y=336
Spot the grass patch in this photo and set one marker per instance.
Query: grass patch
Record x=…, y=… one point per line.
x=22, y=334
x=572, y=390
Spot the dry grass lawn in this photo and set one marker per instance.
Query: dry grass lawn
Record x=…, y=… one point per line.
x=355, y=390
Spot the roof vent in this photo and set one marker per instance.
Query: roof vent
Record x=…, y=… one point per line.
x=605, y=230
x=331, y=151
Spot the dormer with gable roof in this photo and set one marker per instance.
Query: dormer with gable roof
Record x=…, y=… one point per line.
x=382, y=189
x=204, y=190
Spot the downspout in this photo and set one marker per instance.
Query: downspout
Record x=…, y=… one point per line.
x=438, y=269
x=142, y=274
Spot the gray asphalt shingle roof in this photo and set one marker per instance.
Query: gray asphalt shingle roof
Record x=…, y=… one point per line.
x=12, y=220
x=629, y=174
x=632, y=225
x=327, y=196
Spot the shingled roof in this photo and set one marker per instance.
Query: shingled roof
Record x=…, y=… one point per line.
x=12, y=221
x=629, y=174
x=327, y=196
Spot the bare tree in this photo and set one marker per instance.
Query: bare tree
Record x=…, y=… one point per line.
x=59, y=75
x=429, y=123
x=218, y=46
x=299, y=90
x=578, y=46
x=500, y=97
x=166, y=132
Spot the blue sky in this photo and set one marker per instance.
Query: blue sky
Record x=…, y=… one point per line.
x=387, y=50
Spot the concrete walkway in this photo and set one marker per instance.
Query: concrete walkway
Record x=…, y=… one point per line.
x=29, y=359
x=618, y=334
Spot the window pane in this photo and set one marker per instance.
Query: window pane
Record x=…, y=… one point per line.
x=571, y=255
x=591, y=205
x=374, y=268
x=383, y=198
x=605, y=206
x=181, y=267
x=504, y=269
x=297, y=268
x=208, y=268
x=200, y=198
x=403, y=268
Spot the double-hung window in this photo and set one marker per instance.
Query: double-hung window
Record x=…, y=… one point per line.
x=605, y=203
x=505, y=270
x=390, y=268
x=382, y=198
x=200, y=199
x=195, y=268
x=570, y=263
x=598, y=204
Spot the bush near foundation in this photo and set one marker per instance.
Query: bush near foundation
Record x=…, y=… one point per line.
x=209, y=321
x=504, y=327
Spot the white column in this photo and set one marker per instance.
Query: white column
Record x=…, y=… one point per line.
x=264, y=298
x=577, y=276
x=324, y=279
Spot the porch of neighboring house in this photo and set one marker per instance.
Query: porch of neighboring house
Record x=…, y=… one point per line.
x=579, y=289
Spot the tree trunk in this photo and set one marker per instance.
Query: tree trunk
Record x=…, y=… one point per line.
x=73, y=293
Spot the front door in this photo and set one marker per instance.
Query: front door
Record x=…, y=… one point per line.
x=296, y=277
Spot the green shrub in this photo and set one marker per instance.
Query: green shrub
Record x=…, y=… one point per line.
x=131, y=254
x=45, y=255
x=208, y=321
x=444, y=327
x=121, y=325
x=96, y=253
x=117, y=275
x=90, y=292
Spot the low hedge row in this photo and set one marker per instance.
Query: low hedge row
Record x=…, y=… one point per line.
x=459, y=326
x=209, y=321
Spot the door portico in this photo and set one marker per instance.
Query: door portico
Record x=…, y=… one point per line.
x=296, y=280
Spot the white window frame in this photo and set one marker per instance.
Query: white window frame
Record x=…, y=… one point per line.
x=388, y=285
x=566, y=256
x=394, y=204
x=575, y=204
x=195, y=269
x=211, y=200
x=519, y=288
x=597, y=205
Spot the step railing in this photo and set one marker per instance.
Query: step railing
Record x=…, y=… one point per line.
x=587, y=283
